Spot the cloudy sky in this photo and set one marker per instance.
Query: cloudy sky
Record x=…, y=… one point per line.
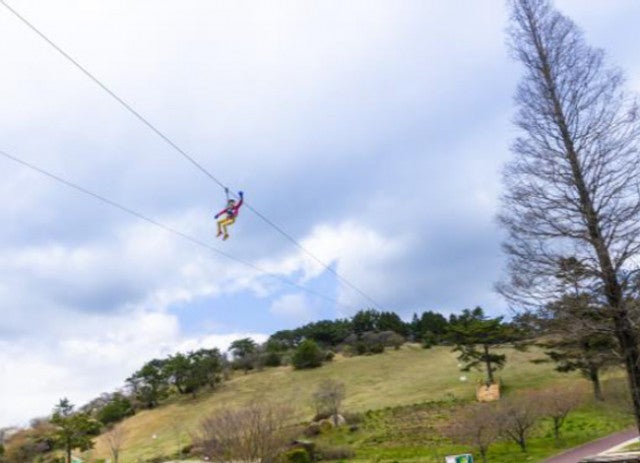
x=373, y=132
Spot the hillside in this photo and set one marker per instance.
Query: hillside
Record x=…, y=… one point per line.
x=407, y=376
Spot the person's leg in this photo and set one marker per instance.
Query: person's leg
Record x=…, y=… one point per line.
x=220, y=227
x=225, y=224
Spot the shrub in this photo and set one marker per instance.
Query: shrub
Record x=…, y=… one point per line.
x=116, y=410
x=307, y=355
x=429, y=340
x=328, y=397
x=377, y=348
x=297, y=456
x=256, y=432
x=272, y=359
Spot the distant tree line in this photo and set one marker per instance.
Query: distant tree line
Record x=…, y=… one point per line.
x=368, y=331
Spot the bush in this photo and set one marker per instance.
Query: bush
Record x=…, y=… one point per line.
x=429, y=340
x=255, y=432
x=307, y=355
x=272, y=359
x=116, y=410
x=297, y=456
x=377, y=348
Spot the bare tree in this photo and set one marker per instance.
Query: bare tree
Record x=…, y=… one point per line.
x=257, y=432
x=556, y=403
x=328, y=397
x=477, y=426
x=572, y=189
x=517, y=415
x=115, y=438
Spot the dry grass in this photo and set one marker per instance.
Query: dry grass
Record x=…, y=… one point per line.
x=406, y=376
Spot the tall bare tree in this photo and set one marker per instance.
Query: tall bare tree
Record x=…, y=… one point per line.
x=572, y=189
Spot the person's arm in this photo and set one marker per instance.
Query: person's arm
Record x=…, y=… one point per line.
x=241, y=194
x=221, y=212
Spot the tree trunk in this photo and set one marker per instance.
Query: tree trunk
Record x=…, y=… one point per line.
x=523, y=444
x=628, y=339
x=556, y=428
x=594, y=377
x=483, y=454
x=488, y=362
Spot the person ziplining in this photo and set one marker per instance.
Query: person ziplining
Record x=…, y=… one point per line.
x=231, y=212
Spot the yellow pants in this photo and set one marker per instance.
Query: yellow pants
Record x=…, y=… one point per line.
x=222, y=225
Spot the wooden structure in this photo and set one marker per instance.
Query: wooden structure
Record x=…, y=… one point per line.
x=488, y=392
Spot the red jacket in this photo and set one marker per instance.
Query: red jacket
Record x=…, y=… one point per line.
x=231, y=211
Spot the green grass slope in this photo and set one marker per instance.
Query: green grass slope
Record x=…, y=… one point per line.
x=401, y=377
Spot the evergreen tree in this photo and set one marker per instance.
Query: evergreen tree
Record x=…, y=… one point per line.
x=72, y=430
x=475, y=335
x=576, y=339
x=430, y=328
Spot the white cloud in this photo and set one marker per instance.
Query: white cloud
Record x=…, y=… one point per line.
x=96, y=354
x=95, y=358
x=294, y=308
x=358, y=253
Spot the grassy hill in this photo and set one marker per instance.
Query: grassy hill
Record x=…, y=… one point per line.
x=397, y=378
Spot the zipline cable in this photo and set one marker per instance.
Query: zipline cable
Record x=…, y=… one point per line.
x=166, y=228
x=182, y=152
